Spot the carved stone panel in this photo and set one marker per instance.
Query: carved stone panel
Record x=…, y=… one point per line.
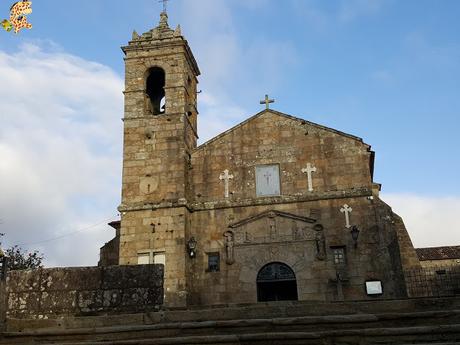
x=273, y=227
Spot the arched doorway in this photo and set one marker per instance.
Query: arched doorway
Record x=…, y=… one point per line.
x=276, y=282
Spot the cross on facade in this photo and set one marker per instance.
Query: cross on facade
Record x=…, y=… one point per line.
x=308, y=170
x=165, y=5
x=347, y=210
x=226, y=177
x=267, y=176
x=267, y=102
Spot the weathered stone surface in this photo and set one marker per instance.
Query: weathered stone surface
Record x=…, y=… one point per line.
x=45, y=293
x=416, y=321
x=173, y=190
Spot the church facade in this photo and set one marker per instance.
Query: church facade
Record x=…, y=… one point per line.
x=275, y=208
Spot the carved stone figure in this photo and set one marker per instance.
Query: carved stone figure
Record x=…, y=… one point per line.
x=229, y=244
x=320, y=243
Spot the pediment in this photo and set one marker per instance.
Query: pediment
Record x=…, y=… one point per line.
x=290, y=118
x=271, y=214
x=274, y=226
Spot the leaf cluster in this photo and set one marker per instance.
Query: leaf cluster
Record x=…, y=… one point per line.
x=20, y=259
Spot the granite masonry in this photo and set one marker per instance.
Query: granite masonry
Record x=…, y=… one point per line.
x=275, y=208
x=58, y=292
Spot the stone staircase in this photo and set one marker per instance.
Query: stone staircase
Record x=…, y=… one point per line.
x=414, y=321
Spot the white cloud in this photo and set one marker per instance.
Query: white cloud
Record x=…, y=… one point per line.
x=60, y=149
x=430, y=221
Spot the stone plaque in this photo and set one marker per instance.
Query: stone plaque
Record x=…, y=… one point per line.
x=267, y=180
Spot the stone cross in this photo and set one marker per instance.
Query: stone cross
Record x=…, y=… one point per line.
x=267, y=175
x=308, y=170
x=267, y=102
x=226, y=177
x=347, y=210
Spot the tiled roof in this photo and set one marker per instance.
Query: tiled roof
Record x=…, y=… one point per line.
x=438, y=253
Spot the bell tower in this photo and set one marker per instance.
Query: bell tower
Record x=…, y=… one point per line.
x=160, y=131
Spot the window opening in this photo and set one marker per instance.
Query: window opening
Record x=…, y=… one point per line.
x=155, y=90
x=338, y=254
x=143, y=258
x=213, y=262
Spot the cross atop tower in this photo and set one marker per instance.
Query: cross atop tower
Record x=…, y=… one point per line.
x=165, y=5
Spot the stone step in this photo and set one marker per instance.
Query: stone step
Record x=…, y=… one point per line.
x=226, y=330
x=273, y=310
x=371, y=322
x=374, y=336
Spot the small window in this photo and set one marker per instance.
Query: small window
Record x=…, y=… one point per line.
x=159, y=258
x=267, y=180
x=338, y=254
x=213, y=262
x=143, y=258
x=147, y=258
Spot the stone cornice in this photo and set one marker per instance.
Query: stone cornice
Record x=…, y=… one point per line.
x=222, y=204
x=149, y=45
x=271, y=214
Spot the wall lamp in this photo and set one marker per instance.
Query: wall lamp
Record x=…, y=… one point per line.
x=355, y=234
x=191, y=247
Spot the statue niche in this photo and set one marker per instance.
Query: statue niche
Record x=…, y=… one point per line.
x=155, y=91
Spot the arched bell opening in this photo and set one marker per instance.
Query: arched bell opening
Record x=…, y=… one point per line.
x=155, y=90
x=276, y=282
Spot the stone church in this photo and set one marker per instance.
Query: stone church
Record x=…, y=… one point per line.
x=275, y=208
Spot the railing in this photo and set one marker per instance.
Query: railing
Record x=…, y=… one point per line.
x=433, y=282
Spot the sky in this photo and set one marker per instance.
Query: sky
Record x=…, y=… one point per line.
x=387, y=71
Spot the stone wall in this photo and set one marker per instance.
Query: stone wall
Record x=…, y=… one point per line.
x=110, y=252
x=2, y=305
x=439, y=263
x=46, y=293
x=282, y=228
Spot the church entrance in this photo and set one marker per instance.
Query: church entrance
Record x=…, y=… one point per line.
x=276, y=282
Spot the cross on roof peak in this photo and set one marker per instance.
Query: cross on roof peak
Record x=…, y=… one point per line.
x=267, y=101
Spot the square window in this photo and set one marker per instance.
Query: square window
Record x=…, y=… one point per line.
x=213, y=262
x=267, y=180
x=374, y=288
x=143, y=258
x=338, y=254
x=150, y=257
x=159, y=258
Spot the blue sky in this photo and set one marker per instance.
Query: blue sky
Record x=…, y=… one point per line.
x=387, y=71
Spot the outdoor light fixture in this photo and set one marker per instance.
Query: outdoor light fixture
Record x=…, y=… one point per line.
x=191, y=247
x=354, y=234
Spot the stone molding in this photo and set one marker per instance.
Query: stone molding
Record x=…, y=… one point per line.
x=262, y=201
